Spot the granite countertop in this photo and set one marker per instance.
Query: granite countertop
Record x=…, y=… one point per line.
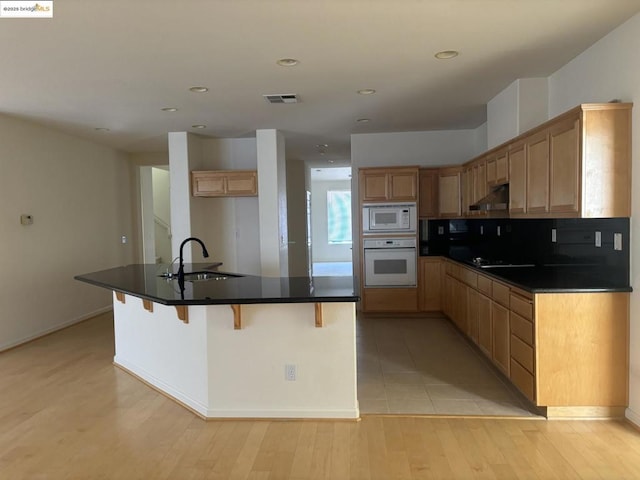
x=144, y=281
x=554, y=278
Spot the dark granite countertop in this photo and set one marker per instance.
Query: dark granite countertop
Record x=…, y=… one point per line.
x=144, y=281
x=553, y=278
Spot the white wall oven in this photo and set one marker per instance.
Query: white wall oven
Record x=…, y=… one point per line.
x=382, y=218
x=390, y=262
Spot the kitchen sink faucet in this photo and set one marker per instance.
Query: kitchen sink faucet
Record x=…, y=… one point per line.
x=205, y=254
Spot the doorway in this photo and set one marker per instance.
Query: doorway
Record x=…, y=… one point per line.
x=330, y=222
x=156, y=214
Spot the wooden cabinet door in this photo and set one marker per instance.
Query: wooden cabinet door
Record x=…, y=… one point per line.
x=479, y=181
x=501, y=336
x=518, y=179
x=538, y=173
x=373, y=186
x=564, y=167
x=242, y=183
x=485, y=334
x=449, y=194
x=403, y=186
x=472, y=313
x=502, y=167
x=466, y=190
x=428, y=194
x=430, y=284
x=491, y=171
x=448, y=296
x=207, y=184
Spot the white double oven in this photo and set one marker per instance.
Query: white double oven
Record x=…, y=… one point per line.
x=389, y=244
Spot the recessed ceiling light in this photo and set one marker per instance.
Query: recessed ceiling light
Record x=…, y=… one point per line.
x=366, y=91
x=287, y=62
x=322, y=145
x=102, y=129
x=447, y=54
x=330, y=161
x=198, y=126
x=169, y=109
x=199, y=89
x=363, y=120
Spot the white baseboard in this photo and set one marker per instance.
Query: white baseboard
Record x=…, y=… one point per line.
x=632, y=416
x=55, y=328
x=162, y=387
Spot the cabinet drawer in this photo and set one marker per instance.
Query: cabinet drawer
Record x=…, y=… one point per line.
x=522, y=352
x=469, y=277
x=521, y=306
x=484, y=285
x=522, y=328
x=523, y=380
x=500, y=293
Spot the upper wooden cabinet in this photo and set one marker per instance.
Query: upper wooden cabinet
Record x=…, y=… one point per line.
x=224, y=183
x=449, y=192
x=428, y=203
x=498, y=168
x=389, y=184
x=576, y=165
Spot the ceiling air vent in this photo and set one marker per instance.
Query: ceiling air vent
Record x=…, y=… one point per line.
x=281, y=98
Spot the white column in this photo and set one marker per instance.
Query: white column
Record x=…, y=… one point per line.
x=272, y=200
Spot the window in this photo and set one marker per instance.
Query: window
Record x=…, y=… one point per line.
x=339, y=217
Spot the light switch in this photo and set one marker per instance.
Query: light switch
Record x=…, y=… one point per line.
x=554, y=237
x=499, y=232
x=26, y=219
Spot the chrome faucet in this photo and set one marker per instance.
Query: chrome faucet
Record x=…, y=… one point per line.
x=205, y=254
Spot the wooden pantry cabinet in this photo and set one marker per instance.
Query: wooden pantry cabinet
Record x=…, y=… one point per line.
x=388, y=184
x=566, y=352
x=224, y=183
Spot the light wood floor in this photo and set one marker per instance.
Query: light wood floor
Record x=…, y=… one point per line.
x=67, y=413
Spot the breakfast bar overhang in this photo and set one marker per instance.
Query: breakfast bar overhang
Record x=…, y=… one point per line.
x=238, y=346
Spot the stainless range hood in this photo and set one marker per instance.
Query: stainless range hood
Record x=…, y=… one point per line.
x=496, y=200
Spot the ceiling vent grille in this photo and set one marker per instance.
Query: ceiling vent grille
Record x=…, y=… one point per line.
x=281, y=98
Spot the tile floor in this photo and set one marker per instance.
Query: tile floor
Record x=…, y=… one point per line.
x=424, y=366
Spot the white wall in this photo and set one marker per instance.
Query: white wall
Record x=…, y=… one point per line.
x=272, y=198
x=321, y=250
x=610, y=70
x=518, y=108
x=79, y=195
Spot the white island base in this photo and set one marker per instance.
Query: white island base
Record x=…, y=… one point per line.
x=219, y=371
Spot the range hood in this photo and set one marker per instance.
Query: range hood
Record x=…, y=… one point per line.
x=496, y=200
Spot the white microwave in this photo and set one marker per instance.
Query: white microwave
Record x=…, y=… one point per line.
x=389, y=218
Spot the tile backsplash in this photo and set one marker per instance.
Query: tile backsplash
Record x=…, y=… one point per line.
x=537, y=241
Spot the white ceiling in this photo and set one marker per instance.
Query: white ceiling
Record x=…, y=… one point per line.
x=115, y=64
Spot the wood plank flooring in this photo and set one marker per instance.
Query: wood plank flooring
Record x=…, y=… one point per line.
x=67, y=413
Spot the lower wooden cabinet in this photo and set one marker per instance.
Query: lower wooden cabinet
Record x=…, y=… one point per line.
x=500, y=334
x=429, y=284
x=390, y=299
x=566, y=352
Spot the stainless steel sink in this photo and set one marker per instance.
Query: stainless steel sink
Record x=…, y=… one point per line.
x=202, y=276
x=507, y=265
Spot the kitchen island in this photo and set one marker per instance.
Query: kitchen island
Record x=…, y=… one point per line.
x=237, y=346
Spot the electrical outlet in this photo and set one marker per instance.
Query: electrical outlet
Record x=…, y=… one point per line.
x=290, y=373
x=26, y=219
x=617, y=241
x=481, y=229
x=598, y=239
x=123, y=239
x=498, y=230
x=554, y=237
x=440, y=230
